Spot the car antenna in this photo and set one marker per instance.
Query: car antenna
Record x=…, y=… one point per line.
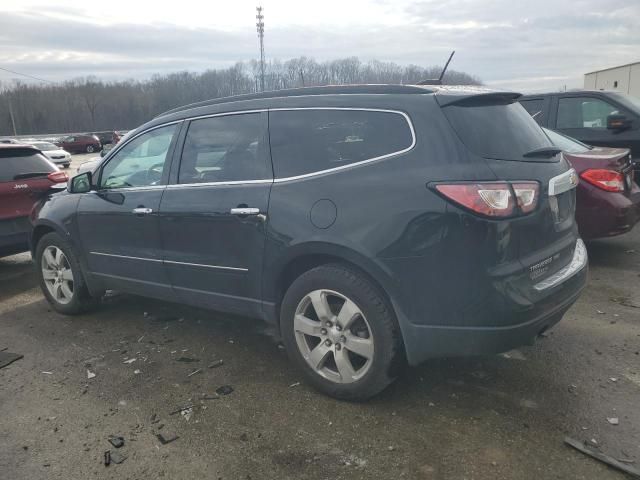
x=438, y=81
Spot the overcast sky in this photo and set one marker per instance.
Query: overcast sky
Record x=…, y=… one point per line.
x=519, y=44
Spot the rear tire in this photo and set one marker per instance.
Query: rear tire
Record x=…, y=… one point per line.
x=60, y=276
x=90, y=149
x=349, y=356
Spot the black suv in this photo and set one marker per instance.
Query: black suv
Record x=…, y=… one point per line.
x=373, y=225
x=601, y=118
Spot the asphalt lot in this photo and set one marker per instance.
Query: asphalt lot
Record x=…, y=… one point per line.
x=500, y=417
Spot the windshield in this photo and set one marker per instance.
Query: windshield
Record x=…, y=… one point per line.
x=567, y=144
x=45, y=146
x=498, y=130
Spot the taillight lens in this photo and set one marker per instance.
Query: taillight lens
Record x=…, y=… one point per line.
x=58, y=177
x=493, y=199
x=608, y=180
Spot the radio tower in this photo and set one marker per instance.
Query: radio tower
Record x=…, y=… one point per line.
x=260, y=29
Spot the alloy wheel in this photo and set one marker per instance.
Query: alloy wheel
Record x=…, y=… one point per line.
x=57, y=274
x=333, y=336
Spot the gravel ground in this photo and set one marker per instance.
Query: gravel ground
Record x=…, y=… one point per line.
x=499, y=417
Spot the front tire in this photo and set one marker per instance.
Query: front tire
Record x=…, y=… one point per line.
x=60, y=276
x=91, y=149
x=339, y=329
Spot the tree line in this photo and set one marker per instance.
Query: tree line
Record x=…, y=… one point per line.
x=89, y=104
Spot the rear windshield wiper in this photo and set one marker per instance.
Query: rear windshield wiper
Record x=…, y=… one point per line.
x=544, y=152
x=31, y=175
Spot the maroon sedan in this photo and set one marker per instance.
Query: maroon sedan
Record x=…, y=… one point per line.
x=80, y=143
x=26, y=175
x=608, y=200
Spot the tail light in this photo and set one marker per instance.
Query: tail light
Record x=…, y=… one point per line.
x=58, y=177
x=497, y=199
x=608, y=180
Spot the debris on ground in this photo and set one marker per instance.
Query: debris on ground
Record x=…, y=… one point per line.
x=600, y=312
x=206, y=396
x=48, y=373
x=624, y=301
x=107, y=458
x=612, y=462
x=187, y=359
x=513, y=355
x=117, y=457
x=194, y=372
x=130, y=361
x=7, y=358
x=90, y=374
x=613, y=379
x=116, y=441
x=294, y=384
x=137, y=371
x=186, y=407
x=216, y=364
x=224, y=390
x=166, y=437
x=186, y=413
x=613, y=420
x=154, y=418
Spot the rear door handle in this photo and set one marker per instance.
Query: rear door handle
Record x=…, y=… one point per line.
x=142, y=211
x=244, y=211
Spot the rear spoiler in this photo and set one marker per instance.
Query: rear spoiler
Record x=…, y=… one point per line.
x=469, y=97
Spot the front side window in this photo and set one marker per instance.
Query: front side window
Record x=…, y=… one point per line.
x=307, y=141
x=229, y=148
x=584, y=112
x=141, y=162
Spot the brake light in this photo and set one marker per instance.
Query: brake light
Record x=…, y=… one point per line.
x=58, y=177
x=608, y=180
x=498, y=199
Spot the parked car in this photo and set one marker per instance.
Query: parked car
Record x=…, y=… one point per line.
x=608, y=200
x=371, y=224
x=9, y=140
x=600, y=118
x=26, y=175
x=89, y=166
x=53, y=153
x=80, y=144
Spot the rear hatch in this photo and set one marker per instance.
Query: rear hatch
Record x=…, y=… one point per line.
x=496, y=128
x=25, y=176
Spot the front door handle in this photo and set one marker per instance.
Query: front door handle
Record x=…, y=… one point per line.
x=244, y=211
x=142, y=211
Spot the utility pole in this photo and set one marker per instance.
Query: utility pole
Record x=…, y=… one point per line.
x=260, y=29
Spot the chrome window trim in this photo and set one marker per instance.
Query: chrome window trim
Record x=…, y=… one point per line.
x=170, y=262
x=129, y=189
x=356, y=164
x=175, y=186
x=563, y=182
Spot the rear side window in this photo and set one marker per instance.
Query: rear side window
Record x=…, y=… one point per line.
x=16, y=164
x=535, y=108
x=502, y=131
x=228, y=148
x=312, y=140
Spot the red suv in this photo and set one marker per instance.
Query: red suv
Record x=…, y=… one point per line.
x=25, y=176
x=80, y=144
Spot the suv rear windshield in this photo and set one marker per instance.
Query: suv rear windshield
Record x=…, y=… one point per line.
x=498, y=130
x=15, y=162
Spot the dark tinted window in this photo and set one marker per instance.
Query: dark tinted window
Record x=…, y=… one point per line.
x=535, y=108
x=21, y=162
x=306, y=141
x=226, y=149
x=504, y=131
x=584, y=112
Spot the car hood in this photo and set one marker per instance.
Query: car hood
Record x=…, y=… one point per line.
x=55, y=152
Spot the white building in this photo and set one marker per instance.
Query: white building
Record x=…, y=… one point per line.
x=625, y=78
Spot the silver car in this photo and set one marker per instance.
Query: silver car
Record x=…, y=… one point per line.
x=54, y=153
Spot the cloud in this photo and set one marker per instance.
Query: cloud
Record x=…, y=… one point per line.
x=511, y=44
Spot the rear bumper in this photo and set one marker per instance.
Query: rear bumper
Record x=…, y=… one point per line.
x=550, y=298
x=605, y=214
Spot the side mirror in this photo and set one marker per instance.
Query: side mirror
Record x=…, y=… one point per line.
x=81, y=183
x=617, y=121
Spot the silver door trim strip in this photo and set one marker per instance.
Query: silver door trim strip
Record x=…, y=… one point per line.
x=218, y=267
x=126, y=257
x=170, y=262
x=563, y=182
x=174, y=186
